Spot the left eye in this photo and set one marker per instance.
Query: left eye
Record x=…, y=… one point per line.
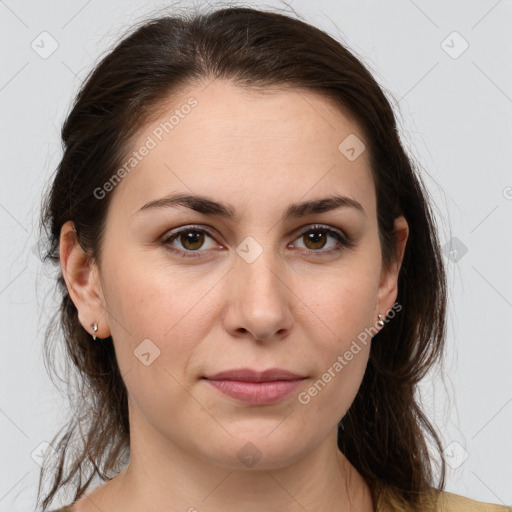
x=314, y=237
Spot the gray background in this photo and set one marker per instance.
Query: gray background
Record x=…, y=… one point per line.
x=454, y=107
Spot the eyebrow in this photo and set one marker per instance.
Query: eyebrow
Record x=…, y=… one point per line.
x=209, y=206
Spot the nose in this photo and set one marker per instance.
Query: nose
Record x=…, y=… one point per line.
x=259, y=300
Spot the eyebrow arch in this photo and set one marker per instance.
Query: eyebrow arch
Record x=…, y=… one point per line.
x=208, y=206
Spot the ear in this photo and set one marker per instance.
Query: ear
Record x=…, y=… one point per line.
x=388, y=286
x=82, y=280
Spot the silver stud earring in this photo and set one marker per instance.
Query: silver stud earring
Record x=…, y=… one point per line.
x=380, y=322
x=94, y=327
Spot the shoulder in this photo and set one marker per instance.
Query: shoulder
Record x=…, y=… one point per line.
x=439, y=501
x=449, y=502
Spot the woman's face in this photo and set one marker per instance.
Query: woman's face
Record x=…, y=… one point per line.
x=254, y=284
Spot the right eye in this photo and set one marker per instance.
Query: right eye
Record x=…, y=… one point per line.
x=191, y=238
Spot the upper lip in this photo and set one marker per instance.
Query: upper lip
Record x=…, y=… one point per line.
x=250, y=375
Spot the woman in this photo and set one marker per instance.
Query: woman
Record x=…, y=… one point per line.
x=252, y=284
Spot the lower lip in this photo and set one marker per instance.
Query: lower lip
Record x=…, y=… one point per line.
x=256, y=393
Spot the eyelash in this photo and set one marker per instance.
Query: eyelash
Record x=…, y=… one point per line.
x=344, y=241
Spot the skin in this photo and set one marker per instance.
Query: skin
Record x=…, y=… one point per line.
x=290, y=308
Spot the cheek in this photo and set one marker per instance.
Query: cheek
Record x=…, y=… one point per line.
x=341, y=304
x=157, y=321
x=337, y=321
x=340, y=354
x=155, y=316
x=149, y=296
x=344, y=296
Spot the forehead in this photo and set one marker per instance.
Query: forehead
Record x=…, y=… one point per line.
x=258, y=144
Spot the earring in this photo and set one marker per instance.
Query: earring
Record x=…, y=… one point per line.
x=380, y=321
x=94, y=327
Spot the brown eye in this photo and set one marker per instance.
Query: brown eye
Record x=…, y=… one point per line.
x=316, y=240
x=191, y=240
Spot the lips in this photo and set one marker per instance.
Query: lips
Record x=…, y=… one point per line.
x=250, y=375
x=256, y=387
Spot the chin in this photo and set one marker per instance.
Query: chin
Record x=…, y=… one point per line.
x=260, y=449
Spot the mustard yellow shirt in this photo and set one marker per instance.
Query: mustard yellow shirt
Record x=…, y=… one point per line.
x=450, y=502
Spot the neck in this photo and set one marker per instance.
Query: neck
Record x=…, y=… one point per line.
x=322, y=480
x=162, y=475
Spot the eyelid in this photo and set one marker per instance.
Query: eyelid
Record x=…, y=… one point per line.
x=166, y=238
x=325, y=227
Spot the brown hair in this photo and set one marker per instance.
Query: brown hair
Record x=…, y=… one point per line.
x=384, y=433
